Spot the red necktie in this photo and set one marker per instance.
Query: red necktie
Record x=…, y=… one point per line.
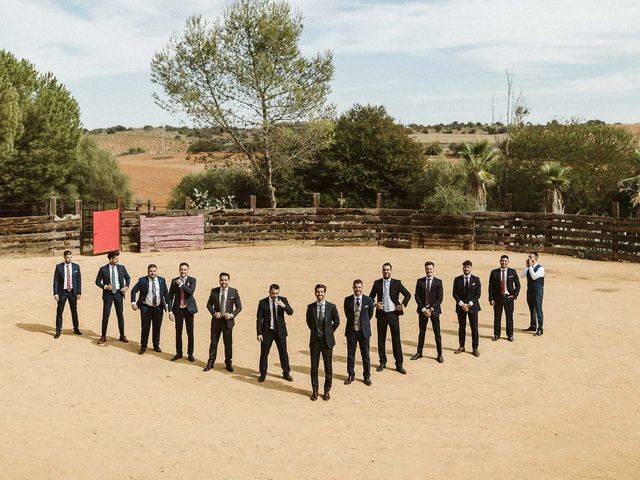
x=68, y=277
x=503, y=282
x=183, y=299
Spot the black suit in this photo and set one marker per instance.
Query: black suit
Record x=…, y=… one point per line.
x=430, y=302
x=183, y=315
x=503, y=300
x=278, y=333
x=390, y=318
x=322, y=340
x=233, y=306
x=110, y=297
x=65, y=293
x=150, y=315
x=361, y=336
x=470, y=294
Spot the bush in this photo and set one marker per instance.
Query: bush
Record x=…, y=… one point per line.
x=448, y=200
x=433, y=149
x=218, y=183
x=206, y=146
x=455, y=148
x=147, y=127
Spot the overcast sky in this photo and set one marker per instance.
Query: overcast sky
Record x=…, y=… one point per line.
x=426, y=61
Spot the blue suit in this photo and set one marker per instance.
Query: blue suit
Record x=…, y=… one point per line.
x=150, y=315
x=110, y=297
x=60, y=289
x=362, y=336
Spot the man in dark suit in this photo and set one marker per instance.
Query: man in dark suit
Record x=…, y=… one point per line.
x=224, y=305
x=504, y=287
x=429, y=295
x=182, y=308
x=270, y=327
x=358, y=309
x=152, y=303
x=386, y=293
x=534, y=272
x=322, y=320
x=67, y=285
x=466, y=292
x=114, y=281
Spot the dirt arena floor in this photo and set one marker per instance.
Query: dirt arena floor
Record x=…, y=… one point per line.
x=561, y=406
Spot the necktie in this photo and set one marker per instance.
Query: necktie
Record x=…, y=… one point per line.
x=153, y=292
x=223, y=302
x=427, y=302
x=358, y=302
x=183, y=298
x=113, y=278
x=385, y=293
x=466, y=286
x=503, y=283
x=274, y=314
x=69, y=277
x=321, y=316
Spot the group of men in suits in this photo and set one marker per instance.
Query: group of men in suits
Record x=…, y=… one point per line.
x=152, y=297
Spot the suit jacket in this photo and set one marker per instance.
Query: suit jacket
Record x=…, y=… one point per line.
x=233, y=304
x=395, y=289
x=142, y=286
x=367, y=309
x=188, y=287
x=473, y=296
x=495, y=281
x=263, y=317
x=104, y=279
x=331, y=322
x=436, y=295
x=59, y=286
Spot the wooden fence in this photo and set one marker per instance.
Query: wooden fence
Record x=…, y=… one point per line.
x=607, y=238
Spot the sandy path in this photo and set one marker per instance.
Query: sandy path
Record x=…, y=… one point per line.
x=560, y=406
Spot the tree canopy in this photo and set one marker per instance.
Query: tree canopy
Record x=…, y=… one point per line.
x=245, y=71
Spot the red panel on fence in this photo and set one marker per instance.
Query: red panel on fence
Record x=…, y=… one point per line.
x=106, y=231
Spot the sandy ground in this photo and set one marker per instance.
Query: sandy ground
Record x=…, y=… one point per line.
x=561, y=406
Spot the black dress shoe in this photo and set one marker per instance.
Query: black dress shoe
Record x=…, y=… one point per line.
x=530, y=329
x=191, y=359
x=326, y=396
x=538, y=333
x=416, y=356
x=177, y=356
x=77, y=331
x=208, y=367
x=510, y=339
x=495, y=338
x=102, y=340
x=157, y=349
x=475, y=353
x=381, y=367
x=287, y=376
x=262, y=377
x=401, y=370
x=348, y=380
x=123, y=339
x=57, y=335
x=440, y=359
x=142, y=350
x=229, y=368
x=313, y=396
x=460, y=350
x=367, y=382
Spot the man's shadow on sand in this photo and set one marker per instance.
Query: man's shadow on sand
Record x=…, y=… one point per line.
x=241, y=374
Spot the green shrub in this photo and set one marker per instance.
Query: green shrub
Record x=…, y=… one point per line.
x=448, y=200
x=433, y=149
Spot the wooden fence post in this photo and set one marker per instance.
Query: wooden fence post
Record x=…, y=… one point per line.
x=187, y=203
x=316, y=200
x=78, y=209
x=252, y=202
x=378, y=200
x=615, y=213
x=53, y=207
x=149, y=205
x=508, y=201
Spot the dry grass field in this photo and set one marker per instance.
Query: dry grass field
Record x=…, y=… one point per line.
x=562, y=406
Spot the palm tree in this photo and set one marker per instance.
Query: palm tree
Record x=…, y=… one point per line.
x=631, y=185
x=555, y=176
x=478, y=158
